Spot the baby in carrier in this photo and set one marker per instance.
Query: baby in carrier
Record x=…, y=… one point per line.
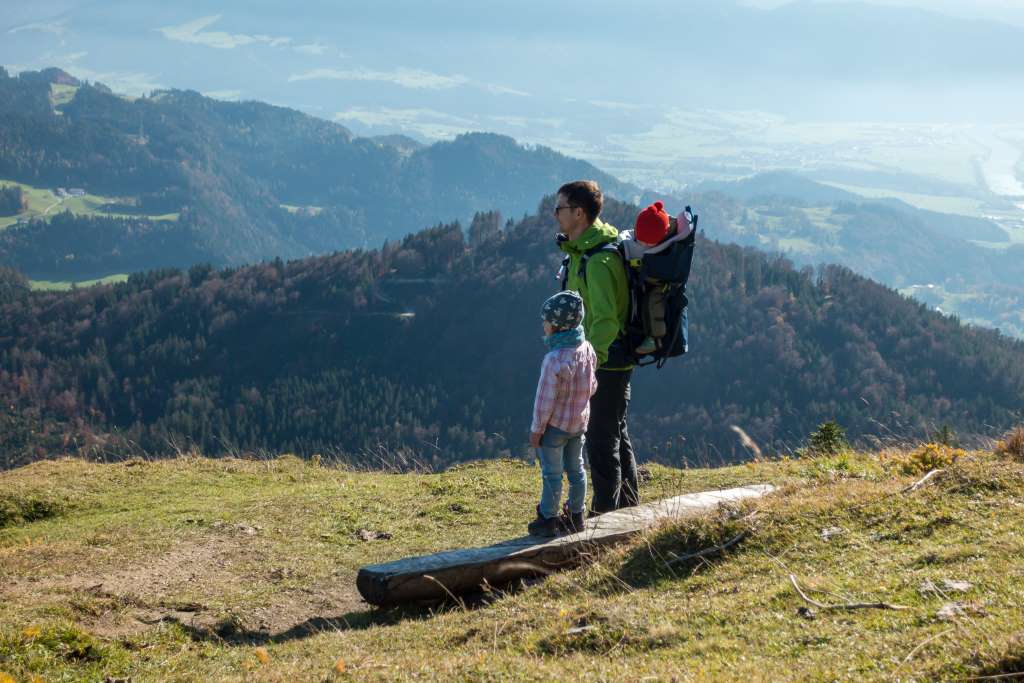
x=654, y=232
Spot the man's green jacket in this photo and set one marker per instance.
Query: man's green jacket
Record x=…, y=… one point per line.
x=605, y=292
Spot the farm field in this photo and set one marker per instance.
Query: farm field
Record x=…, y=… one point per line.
x=61, y=93
x=43, y=202
x=54, y=285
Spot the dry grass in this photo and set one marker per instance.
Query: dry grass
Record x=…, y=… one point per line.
x=924, y=458
x=1012, y=444
x=843, y=525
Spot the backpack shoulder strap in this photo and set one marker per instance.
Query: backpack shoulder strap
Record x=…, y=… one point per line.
x=614, y=246
x=563, y=272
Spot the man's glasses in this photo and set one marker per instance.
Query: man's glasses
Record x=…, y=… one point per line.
x=559, y=208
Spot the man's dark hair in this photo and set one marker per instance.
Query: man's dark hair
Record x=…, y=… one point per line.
x=584, y=194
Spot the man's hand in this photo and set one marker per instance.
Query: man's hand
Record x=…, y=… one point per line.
x=535, y=438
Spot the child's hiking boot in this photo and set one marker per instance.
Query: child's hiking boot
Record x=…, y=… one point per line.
x=545, y=527
x=573, y=522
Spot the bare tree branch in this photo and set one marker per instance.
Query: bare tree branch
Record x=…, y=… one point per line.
x=922, y=481
x=845, y=605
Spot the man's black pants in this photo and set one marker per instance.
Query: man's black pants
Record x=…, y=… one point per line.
x=612, y=465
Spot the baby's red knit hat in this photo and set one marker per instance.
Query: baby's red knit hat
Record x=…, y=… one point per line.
x=652, y=224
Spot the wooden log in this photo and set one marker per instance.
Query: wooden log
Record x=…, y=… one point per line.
x=454, y=572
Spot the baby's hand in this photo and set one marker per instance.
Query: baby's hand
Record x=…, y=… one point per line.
x=683, y=222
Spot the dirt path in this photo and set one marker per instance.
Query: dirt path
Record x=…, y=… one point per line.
x=141, y=596
x=56, y=203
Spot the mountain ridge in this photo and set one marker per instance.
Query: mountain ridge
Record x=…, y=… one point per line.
x=425, y=347
x=230, y=170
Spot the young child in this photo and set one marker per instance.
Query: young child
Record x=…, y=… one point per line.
x=654, y=231
x=561, y=410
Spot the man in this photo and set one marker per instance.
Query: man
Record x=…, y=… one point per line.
x=605, y=293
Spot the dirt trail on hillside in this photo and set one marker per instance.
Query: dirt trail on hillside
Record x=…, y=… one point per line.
x=212, y=571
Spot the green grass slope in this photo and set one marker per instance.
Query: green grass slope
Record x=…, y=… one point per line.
x=198, y=569
x=43, y=203
x=63, y=286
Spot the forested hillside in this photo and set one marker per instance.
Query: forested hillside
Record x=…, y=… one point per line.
x=244, y=181
x=429, y=347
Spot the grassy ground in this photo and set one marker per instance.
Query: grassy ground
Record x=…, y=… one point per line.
x=197, y=569
x=39, y=200
x=310, y=210
x=95, y=205
x=64, y=285
x=43, y=202
x=61, y=94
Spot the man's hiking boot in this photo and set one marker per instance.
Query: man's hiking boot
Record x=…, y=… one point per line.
x=546, y=527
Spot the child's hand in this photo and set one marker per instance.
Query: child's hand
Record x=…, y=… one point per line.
x=535, y=438
x=685, y=227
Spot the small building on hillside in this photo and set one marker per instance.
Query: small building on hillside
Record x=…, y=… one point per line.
x=76, y=192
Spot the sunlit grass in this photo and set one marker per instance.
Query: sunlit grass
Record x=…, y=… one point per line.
x=65, y=285
x=93, y=548
x=43, y=203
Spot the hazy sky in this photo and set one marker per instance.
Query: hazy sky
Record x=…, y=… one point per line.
x=598, y=79
x=999, y=10
x=16, y=12
x=807, y=62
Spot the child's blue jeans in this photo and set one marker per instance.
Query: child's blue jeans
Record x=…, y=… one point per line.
x=561, y=452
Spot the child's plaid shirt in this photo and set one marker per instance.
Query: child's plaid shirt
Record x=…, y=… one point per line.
x=567, y=382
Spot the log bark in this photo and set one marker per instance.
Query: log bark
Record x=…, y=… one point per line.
x=455, y=572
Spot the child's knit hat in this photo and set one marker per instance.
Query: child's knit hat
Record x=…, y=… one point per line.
x=563, y=310
x=652, y=224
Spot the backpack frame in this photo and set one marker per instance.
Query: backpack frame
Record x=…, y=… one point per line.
x=671, y=267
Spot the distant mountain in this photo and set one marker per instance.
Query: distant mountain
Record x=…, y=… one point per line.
x=240, y=181
x=777, y=184
x=935, y=256
x=430, y=347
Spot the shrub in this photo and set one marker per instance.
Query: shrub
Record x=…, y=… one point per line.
x=1012, y=444
x=946, y=436
x=828, y=439
x=17, y=509
x=927, y=457
x=65, y=641
x=12, y=200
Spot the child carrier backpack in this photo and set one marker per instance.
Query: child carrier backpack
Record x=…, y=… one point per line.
x=666, y=271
